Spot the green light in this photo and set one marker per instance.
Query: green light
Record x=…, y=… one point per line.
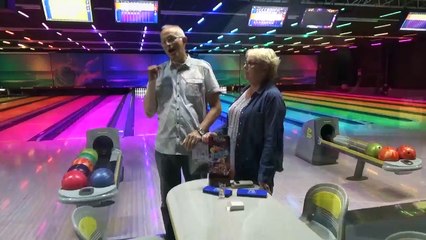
x=255, y=46
x=390, y=14
x=268, y=43
x=288, y=38
x=342, y=9
x=251, y=38
x=343, y=25
x=310, y=33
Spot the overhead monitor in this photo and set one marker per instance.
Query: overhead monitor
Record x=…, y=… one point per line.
x=267, y=16
x=136, y=11
x=415, y=21
x=68, y=10
x=319, y=18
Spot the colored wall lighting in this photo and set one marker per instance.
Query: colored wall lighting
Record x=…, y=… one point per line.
x=217, y=6
x=390, y=14
x=200, y=21
x=272, y=31
x=349, y=39
x=252, y=37
x=383, y=26
x=317, y=39
x=234, y=30
x=381, y=34
x=345, y=33
x=343, y=25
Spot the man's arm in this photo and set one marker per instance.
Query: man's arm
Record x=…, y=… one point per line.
x=150, y=100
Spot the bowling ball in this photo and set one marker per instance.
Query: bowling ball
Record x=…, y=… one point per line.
x=88, y=156
x=406, y=152
x=80, y=167
x=83, y=161
x=102, y=177
x=92, y=152
x=373, y=149
x=74, y=180
x=388, y=154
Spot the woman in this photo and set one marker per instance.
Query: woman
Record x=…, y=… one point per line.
x=255, y=122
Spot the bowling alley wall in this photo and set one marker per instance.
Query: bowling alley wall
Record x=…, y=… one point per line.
x=67, y=70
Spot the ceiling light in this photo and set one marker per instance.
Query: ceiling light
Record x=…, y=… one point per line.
x=23, y=14
x=317, y=39
x=217, y=6
x=45, y=26
x=345, y=33
x=382, y=26
x=343, y=25
x=349, y=39
x=60, y=34
x=6, y=42
x=200, y=21
x=9, y=32
x=234, y=30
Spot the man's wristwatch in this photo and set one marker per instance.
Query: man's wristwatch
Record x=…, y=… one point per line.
x=201, y=131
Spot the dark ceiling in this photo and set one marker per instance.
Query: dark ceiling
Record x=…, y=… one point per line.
x=363, y=16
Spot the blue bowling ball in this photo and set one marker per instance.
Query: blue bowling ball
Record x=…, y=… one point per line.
x=102, y=177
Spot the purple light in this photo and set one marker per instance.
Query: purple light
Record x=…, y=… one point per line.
x=405, y=40
x=317, y=51
x=376, y=44
x=333, y=49
x=353, y=47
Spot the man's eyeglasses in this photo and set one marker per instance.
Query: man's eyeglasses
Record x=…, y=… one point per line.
x=170, y=40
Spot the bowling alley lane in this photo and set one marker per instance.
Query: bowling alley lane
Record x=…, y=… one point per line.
x=97, y=117
x=16, y=112
x=9, y=99
x=143, y=124
x=25, y=130
x=19, y=102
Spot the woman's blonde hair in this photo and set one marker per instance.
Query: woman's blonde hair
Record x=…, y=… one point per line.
x=267, y=56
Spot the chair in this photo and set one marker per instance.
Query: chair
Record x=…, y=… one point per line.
x=407, y=235
x=324, y=210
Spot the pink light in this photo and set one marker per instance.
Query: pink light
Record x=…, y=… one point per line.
x=376, y=44
x=405, y=40
x=333, y=49
x=39, y=168
x=295, y=132
x=353, y=47
x=50, y=160
x=24, y=184
x=59, y=150
x=5, y=204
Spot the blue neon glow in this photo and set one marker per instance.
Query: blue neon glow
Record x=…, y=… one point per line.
x=217, y=6
x=235, y=30
x=189, y=30
x=200, y=21
x=216, y=48
x=210, y=41
x=201, y=45
x=251, y=38
x=237, y=42
x=227, y=45
x=220, y=37
x=272, y=31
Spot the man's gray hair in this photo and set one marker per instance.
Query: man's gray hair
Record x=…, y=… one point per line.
x=178, y=30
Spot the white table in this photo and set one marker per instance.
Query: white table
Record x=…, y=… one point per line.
x=199, y=216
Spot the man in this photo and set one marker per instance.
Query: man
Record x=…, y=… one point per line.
x=177, y=92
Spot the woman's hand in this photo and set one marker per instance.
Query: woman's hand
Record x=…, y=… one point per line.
x=206, y=137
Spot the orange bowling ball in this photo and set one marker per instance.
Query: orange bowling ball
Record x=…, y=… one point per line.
x=406, y=152
x=83, y=161
x=388, y=154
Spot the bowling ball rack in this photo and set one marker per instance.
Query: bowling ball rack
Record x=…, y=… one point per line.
x=400, y=167
x=316, y=146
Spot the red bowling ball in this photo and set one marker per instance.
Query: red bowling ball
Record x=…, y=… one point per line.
x=388, y=154
x=406, y=152
x=74, y=180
